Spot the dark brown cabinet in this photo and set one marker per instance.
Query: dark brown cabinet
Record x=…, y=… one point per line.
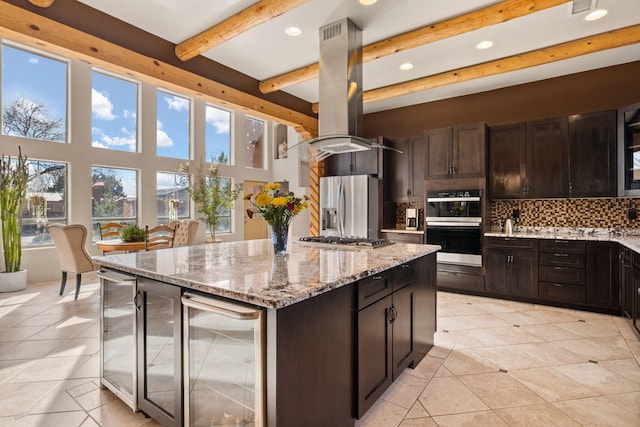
x=593, y=155
x=562, y=271
x=389, y=326
x=636, y=292
x=407, y=169
x=625, y=256
x=457, y=152
x=603, y=280
x=547, y=158
x=511, y=267
x=507, y=161
x=367, y=162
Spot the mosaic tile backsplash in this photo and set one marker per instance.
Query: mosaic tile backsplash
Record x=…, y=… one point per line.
x=401, y=212
x=589, y=213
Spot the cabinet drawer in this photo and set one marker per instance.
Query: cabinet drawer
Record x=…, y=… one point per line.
x=373, y=288
x=561, y=259
x=462, y=281
x=560, y=292
x=401, y=275
x=567, y=275
x=510, y=243
x=562, y=246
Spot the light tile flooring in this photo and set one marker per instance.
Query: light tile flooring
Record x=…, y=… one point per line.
x=495, y=363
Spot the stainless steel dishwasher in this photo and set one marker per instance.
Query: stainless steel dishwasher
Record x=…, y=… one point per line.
x=118, y=352
x=224, y=362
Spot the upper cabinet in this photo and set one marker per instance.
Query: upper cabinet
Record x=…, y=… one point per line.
x=560, y=157
x=407, y=169
x=629, y=146
x=365, y=162
x=457, y=152
x=592, y=170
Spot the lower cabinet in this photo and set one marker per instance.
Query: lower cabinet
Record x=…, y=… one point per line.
x=390, y=329
x=511, y=267
x=562, y=271
x=636, y=292
x=603, y=280
x=625, y=256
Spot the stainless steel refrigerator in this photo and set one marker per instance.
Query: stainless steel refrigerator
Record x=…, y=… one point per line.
x=349, y=206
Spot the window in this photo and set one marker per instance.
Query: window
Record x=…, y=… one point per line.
x=218, y=136
x=254, y=142
x=171, y=195
x=34, y=95
x=114, y=196
x=114, y=108
x=224, y=218
x=173, y=125
x=46, y=201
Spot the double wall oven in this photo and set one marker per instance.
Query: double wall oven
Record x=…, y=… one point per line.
x=454, y=221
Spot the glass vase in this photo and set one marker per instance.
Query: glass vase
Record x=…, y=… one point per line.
x=279, y=234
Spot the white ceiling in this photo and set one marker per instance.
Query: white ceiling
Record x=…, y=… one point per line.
x=266, y=51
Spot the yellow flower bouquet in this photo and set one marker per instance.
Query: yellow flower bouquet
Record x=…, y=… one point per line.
x=278, y=209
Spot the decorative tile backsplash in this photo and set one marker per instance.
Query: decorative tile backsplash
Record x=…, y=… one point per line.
x=401, y=212
x=596, y=213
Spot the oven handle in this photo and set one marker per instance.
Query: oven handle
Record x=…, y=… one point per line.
x=453, y=199
x=453, y=224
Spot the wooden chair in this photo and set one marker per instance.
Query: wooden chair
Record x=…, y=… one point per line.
x=159, y=237
x=110, y=230
x=186, y=232
x=70, y=243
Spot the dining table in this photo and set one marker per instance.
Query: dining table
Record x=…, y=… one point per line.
x=112, y=245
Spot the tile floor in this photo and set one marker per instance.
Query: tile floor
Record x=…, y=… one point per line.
x=495, y=363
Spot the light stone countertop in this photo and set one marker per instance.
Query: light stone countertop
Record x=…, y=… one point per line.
x=627, y=237
x=248, y=271
x=401, y=230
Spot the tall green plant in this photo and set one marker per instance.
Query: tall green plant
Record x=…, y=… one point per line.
x=211, y=193
x=14, y=177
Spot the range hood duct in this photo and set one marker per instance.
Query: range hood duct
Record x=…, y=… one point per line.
x=340, y=92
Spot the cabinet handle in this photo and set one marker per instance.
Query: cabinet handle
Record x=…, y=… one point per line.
x=561, y=241
x=393, y=314
x=561, y=268
x=453, y=170
x=377, y=277
x=562, y=255
x=137, y=300
x=558, y=285
x=406, y=266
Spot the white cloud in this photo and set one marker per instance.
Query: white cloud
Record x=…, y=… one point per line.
x=98, y=144
x=33, y=60
x=158, y=124
x=119, y=141
x=177, y=103
x=219, y=119
x=101, y=106
x=163, y=140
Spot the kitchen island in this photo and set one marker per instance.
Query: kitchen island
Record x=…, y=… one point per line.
x=337, y=325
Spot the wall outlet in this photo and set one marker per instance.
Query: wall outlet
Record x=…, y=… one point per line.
x=632, y=213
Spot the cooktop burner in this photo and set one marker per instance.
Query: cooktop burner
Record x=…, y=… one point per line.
x=351, y=241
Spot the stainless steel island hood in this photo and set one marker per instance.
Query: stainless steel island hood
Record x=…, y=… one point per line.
x=340, y=79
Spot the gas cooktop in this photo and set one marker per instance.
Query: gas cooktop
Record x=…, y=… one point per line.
x=349, y=241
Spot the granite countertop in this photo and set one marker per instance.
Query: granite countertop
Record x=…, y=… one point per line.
x=627, y=237
x=248, y=271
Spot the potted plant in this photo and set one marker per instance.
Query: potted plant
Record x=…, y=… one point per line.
x=14, y=178
x=132, y=233
x=211, y=193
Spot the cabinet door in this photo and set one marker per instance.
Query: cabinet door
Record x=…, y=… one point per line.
x=438, y=151
x=592, y=150
x=497, y=271
x=338, y=165
x=603, y=281
x=159, y=351
x=524, y=274
x=507, y=161
x=399, y=185
x=365, y=162
x=626, y=280
x=403, y=329
x=468, y=150
x=375, y=368
x=636, y=292
x=417, y=159
x=547, y=158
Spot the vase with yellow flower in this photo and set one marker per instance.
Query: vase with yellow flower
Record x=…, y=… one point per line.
x=278, y=208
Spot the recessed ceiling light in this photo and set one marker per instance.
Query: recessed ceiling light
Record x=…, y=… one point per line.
x=596, y=14
x=367, y=2
x=486, y=44
x=406, y=66
x=293, y=31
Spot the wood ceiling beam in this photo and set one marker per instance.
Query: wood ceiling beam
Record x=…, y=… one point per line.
x=259, y=13
x=491, y=15
x=41, y=3
x=592, y=44
x=37, y=31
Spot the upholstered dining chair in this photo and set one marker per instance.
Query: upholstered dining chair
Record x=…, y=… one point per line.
x=186, y=232
x=159, y=237
x=70, y=243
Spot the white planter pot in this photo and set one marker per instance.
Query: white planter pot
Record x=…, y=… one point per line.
x=15, y=281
